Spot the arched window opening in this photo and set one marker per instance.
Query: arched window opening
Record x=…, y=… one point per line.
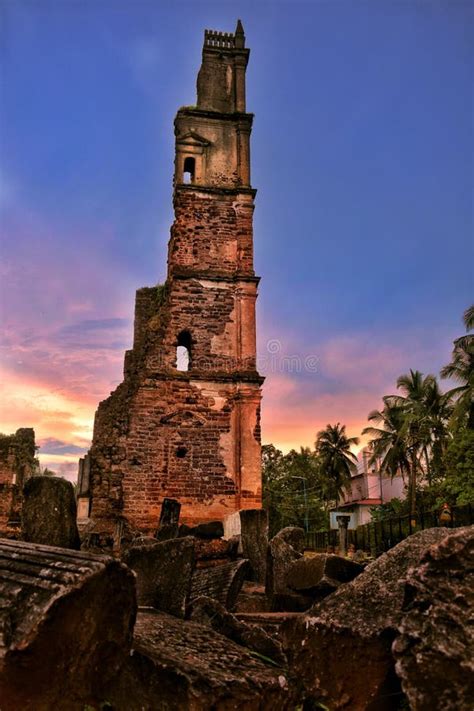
x=189, y=170
x=183, y=351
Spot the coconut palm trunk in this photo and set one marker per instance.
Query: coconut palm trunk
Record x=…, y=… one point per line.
x=412, y=489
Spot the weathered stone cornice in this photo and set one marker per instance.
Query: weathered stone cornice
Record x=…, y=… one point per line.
x=214, y=190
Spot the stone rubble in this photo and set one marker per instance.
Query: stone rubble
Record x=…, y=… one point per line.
x=435, y=650
x=342, y=647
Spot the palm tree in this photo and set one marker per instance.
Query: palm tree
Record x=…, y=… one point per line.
x=336, y=461
x=425, y=411
x=461, y=369
x=438, y=411
x=468, y=317
x=413, y=429
x=388, y=443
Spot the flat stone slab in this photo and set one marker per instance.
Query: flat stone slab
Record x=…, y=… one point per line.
x=187, y=666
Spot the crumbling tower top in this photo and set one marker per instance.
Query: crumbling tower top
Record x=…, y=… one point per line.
x=213, y=137
x=221, y=79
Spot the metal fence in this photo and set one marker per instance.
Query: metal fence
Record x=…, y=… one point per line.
x=378, y=536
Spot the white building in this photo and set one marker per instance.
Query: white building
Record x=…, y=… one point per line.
x=368, y=488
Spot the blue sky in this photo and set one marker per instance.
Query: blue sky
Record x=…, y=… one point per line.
x=361, y=153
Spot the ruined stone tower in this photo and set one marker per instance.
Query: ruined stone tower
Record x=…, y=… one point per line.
x=185, y=422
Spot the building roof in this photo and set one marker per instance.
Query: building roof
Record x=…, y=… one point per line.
x=361, y=502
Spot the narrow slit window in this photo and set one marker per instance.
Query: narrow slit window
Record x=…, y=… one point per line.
x=183, y=351
x=189, y=170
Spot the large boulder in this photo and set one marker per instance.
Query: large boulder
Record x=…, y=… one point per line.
x=184, y=665
x=254, y=540
x=66, y=621
x=342, y=648
x=49, y=512
x=321, y=574
x=210, y=612
x=164, y=572
x=435, y=652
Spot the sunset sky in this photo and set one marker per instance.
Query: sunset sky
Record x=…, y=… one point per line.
x=362, y=156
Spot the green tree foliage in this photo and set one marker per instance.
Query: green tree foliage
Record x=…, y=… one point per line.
x=292, y=489
x=425, y=434
x=420, y=432
x=298, y=486
x=458, y=485
x=461, y=370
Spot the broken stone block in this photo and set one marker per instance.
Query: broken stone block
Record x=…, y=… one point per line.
x=434, y=654
x=222, y=582
x=66, y=621
x=233, y=547
x=232, y=525
x=166, y=531
x=141, y=541
x=291, y=602
x=206, y=549
x=321, y=574
x=357, y=622
x=294, y=536
x=49, y=514
x=210, y=612
x=183, y=665
x=169, y=520
x=254, y=540
x=252, y=598
x=280, y=556
x=209, y=530
x=170, y=510
x=164, y=573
